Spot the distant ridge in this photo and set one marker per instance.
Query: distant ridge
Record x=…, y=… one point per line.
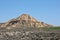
x=25, y=20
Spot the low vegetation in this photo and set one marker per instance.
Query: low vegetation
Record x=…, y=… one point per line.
x=52, y=28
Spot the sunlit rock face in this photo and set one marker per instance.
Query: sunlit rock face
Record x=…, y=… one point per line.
x=25, y=20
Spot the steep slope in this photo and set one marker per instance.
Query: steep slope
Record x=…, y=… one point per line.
x=25, y=20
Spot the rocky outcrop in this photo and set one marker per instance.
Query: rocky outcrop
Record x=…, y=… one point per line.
x=25, y=20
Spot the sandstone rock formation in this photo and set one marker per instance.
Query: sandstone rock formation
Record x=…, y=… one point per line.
x=25, y=20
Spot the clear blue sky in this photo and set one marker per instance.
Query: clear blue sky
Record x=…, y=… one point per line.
x=47, y=11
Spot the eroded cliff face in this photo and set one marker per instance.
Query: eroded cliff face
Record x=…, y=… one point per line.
x=25, y=20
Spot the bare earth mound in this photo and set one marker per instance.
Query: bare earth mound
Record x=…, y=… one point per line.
x=25, y=20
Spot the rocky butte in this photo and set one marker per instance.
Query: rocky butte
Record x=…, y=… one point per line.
x=25, y=20
x=26, y=27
